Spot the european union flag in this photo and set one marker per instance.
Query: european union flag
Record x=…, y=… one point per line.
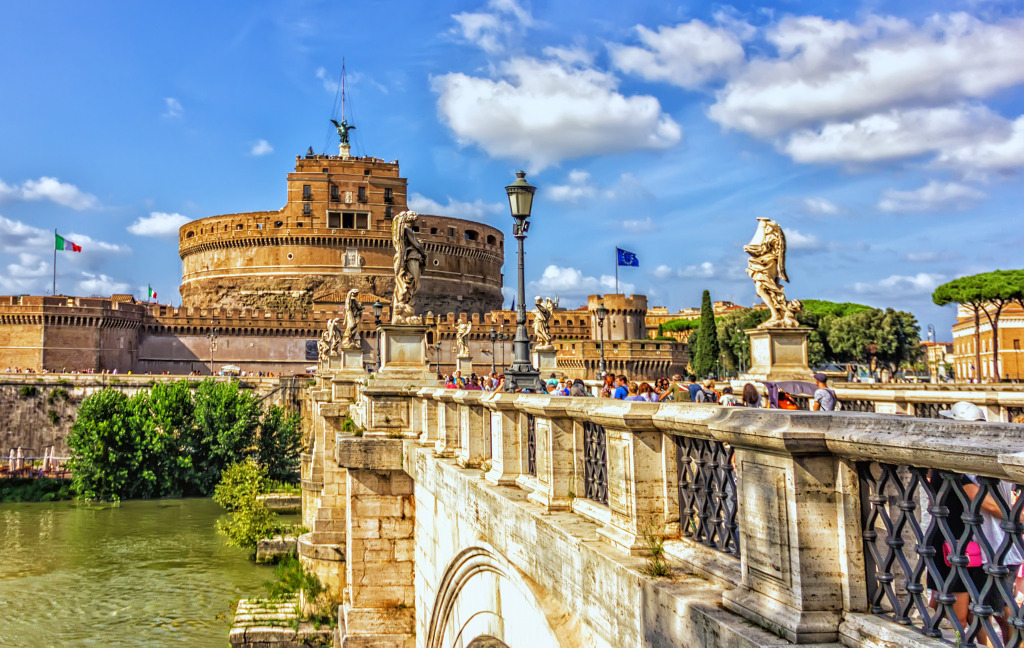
x=627, y=258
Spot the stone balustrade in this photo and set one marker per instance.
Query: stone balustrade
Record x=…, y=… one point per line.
x=1001, y=402
x=782, y=515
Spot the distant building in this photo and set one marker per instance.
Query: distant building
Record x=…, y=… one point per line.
x=937, y=356
x=1011, y=331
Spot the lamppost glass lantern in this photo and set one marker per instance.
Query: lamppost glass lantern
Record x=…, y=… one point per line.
x=378, y=310
x=602, y=313
x=521, y=375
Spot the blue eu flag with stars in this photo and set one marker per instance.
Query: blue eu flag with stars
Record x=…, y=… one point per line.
x=627, y=258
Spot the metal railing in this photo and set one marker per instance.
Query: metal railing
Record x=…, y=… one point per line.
x=943, y=552
x=595, y=462
x=531, y=444
x=707, y=493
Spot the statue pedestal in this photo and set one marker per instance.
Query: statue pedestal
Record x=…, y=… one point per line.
x=778, y=354
x=545, y=362
x=344, y=151
x=403, y=353
x=464, y=366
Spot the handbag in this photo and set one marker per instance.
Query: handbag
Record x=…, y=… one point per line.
x=973, y=552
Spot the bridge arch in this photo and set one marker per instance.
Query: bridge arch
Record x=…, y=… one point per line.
x=483, y=601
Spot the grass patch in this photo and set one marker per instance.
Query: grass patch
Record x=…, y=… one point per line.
x=44, y=489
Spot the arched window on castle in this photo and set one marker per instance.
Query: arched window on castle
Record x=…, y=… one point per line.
x=471, y=235
x=492, y=240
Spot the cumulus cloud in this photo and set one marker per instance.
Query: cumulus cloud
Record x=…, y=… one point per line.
x=934, y=196
x=838, y=71
x=545, y=111
x=30, y=250
x=476, y=210
x=572, y=284
x=796, y=240
x=998, y=149
x=895, y=286
x=173, y=108
x=687, y=55
x=100, y=285
x=51, y=189
x=491, y=30
x=821, y=206
x=159, y=224
x=262, y=147
x=578, y=188
x=705, y=270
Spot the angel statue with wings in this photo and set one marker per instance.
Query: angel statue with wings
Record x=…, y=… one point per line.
x=767, y=267
x=410, y=258
x=542, y=322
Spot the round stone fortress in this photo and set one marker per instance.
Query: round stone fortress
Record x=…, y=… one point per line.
x=334, y=234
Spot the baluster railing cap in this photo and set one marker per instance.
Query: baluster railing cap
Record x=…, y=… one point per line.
x=499, y=400
x=762, y=429
x=544, y=405
x=468, y=396
x=634, y=416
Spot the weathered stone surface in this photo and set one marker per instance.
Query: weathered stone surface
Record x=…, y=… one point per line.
x=269, y=549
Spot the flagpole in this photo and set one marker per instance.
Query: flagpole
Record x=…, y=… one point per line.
x=616, y=271
x=54, y=261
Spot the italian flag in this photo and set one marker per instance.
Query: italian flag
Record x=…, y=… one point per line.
x=61, y=244
x=152, y=293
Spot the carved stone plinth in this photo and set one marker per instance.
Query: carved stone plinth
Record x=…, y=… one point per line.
x=545, y=362
x=778, y=354
x=403, y=352
x=464, y=366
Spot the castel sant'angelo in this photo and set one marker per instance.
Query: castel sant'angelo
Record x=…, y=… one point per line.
x=258, y=288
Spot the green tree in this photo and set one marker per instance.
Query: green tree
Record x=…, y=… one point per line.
x=105, y=453
x=890, y=337
x=225, y=420
x=989, y=293
x=704, y=350
x=278, y=444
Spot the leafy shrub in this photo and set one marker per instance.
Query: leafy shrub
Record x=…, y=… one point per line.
x=176, y=440
x=240, y=483
x=28, y=391
x=54, y=417
x=249, y=520
x=30, y=489
x=57, y=394
x=292, y=579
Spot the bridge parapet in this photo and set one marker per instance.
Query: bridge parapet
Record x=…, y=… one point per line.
x=547, y=494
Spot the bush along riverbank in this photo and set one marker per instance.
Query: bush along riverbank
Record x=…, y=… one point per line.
x=249, y=520
x=33, y=489
x=175, y=440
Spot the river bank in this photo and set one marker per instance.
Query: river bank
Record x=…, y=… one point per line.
x=143, y=573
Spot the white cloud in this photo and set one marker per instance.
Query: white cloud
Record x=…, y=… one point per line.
x=834, y=71
x=543, y=112
x=570, y=55
x=51, y=189
x=101, y=285
x=30, y=250
x=158, y=224
x=795, y=240
x=262, y=147
x=898, y=134
x=934, y=196
x=640, y=225
x=901, y=286
x=173, y=108
x=476, y=210
x=997, y=150
x=687, y=55
x=579, y=189
x=490, y=31
x=821, y=206
x=924, y=257
x=663, y=272
x=573, y=284
x=705, y=270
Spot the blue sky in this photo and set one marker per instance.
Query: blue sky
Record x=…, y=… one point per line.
x=885, y=137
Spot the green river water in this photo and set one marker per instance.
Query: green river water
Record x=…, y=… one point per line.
x=145, y=573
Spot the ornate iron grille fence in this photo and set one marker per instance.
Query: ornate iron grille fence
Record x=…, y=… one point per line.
x=595, y=464
x=531, y=444
x=707, y=493
x=929, y=410
x=803, y=402
x=939, y=544
x=858, y=405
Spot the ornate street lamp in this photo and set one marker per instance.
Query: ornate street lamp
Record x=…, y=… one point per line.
x=492, y=336
x=212, y=337
x=521, y=375
x=378, y=310
x=602, y=313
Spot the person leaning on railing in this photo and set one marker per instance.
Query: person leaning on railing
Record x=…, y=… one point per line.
x=977, y=560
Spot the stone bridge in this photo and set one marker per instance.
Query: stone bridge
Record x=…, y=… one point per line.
x=447, y=518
